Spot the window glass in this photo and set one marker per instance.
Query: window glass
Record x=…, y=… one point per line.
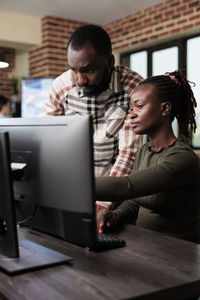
x=138, y=63
x=168, y=59
x=165, y=60
x=193, y=67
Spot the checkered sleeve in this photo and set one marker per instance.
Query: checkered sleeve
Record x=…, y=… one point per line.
x=128, y=146
x=57, y=96
x=128, y=141
x=130, y=80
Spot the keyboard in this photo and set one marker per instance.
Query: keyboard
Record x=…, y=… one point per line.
x=107, y=241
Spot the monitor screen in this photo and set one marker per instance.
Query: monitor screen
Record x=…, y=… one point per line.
x=56, y=192
x=34, y=93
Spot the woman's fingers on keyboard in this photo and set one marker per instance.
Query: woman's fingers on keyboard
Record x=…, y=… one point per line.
x=100, y=212
x=110, y=218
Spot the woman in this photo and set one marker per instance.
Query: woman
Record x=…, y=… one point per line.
x=164, y=189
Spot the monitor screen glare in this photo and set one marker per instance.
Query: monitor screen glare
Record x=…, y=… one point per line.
x=34, y=93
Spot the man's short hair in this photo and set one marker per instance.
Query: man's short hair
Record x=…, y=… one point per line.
x=3, y=101
x=92, y=35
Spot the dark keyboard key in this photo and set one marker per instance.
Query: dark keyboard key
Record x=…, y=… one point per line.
x=107, y=241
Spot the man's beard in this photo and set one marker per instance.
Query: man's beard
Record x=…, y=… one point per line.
x=104, y=84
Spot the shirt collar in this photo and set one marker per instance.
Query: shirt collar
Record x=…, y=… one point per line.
x=163, y=148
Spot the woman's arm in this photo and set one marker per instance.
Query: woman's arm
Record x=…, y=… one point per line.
x=176, y=169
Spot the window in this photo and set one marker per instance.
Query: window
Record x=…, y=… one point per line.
x=138, y=63
x=193, y=67
x=165, y=60
x=178, y=54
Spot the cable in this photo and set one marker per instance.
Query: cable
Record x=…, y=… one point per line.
x=21, y=222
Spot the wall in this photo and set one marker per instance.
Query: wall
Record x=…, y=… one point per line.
x=18, y=34
x=19, y=31
x=162, y=22
x=6, y=82
x=50, y=59
x=18, y=68
x=165, y=21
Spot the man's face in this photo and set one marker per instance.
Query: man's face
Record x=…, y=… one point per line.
x=91, y=71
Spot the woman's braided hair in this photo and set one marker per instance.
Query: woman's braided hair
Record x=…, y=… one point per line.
x=175, y=88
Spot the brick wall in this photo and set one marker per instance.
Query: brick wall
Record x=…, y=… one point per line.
x=50, y=59
x=173, y=17
x=168, y=19
x=6, y=82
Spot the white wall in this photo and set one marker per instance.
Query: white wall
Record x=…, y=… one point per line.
x=19, y=31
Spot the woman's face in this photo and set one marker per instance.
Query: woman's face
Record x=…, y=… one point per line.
x=146, y=111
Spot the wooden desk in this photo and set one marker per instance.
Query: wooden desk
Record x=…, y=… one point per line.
x=151, y=266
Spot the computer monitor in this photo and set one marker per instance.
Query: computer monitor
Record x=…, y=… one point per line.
x=34, y=92
x=56, y=192
x=18, y=255
x=8, y=229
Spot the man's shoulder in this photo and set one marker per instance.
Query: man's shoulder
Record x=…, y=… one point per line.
x=125, y=71
x=128, y=77
x=64, y=80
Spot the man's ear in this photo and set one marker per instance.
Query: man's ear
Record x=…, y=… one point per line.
x=165, y=108
x=111, y=61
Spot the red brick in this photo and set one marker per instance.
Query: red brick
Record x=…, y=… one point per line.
x=150, y=24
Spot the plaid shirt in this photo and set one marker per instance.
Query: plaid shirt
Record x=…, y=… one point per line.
x=115, y=143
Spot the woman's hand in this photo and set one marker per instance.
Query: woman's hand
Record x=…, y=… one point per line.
x=110, y=219
x=104, y=217
x=100, y=212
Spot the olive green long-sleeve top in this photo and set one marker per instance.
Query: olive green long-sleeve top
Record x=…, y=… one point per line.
x=163, y=191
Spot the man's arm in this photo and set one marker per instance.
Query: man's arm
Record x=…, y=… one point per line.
x=128, y=141
x=55, y=104
x=128, y=146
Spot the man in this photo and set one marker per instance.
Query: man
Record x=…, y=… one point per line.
x=4, y=107
x=92, y=85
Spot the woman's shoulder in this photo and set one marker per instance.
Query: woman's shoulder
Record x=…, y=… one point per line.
x=182, y=152
x=181, y=145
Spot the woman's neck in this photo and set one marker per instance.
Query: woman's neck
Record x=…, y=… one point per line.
x=161, y=140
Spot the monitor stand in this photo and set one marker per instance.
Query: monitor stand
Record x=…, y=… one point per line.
x=31, y=256
x=18, y=256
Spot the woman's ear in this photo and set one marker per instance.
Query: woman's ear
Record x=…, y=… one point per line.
x=165, y=108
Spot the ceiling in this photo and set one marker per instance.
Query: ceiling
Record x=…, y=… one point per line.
x=99, y=12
